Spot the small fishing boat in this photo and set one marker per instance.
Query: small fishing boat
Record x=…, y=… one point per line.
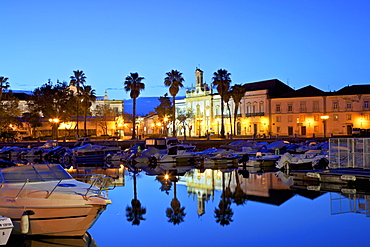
x=309, y=160
x=44, y=199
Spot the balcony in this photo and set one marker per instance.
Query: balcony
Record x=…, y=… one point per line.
x=258, y=114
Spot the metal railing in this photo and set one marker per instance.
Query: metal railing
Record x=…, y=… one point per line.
x=99, y=181
x=349, y=153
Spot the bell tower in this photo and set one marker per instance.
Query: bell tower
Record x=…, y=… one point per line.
x=199, y=78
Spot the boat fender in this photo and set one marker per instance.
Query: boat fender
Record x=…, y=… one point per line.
x=25, y=221
x=277, y=151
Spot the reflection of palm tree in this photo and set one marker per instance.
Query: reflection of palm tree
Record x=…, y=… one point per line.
x=175, y=213
x=136, y=212
x=239, y=197
x=224, y=213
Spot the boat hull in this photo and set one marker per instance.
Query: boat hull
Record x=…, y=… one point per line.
x=55, y=221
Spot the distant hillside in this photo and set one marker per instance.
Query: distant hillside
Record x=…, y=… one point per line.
x=144, y=105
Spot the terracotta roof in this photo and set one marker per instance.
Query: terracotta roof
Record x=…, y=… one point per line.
x=353, y=89
x=274, y=86
x=307, y=91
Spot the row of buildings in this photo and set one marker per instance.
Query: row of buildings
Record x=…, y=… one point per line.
x=272, y=108
x=268, y=108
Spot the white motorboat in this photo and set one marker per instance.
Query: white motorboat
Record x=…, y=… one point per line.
x=43, y=199
x=309, y=160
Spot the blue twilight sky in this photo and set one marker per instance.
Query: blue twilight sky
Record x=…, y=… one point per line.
x=324, y=43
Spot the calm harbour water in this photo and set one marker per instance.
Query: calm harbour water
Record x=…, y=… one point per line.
x=220, y=207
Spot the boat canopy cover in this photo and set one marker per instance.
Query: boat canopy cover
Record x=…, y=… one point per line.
x=33, y=173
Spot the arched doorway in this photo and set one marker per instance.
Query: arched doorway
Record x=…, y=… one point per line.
x=238, y=129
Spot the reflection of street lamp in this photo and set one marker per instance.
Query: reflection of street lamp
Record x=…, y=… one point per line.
x=324, y=118
x=54, y=122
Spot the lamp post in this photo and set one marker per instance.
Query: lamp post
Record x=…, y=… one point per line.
x=324, y=118
x=54, y=127
x=165, y=119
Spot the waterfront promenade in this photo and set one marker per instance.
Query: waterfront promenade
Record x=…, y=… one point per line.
x=201, y=143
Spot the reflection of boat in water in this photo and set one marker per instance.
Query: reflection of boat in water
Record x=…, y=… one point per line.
x=223, y=162
x=85, y=241
x=44, y=199
x=38, y=153
x=165, y=150
x=116, y=173
x=12, y=152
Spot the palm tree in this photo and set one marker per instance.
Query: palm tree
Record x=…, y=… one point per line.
x=4, y=84
x=134, y=85
x=77, y=79
x=227, y=97
x=135, y=213
x=221, y=79
x=175, y=213
x=237, y=92
x=87, y=97
x=174, y=80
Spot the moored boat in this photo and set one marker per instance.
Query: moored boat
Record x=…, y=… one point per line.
x=44, y=199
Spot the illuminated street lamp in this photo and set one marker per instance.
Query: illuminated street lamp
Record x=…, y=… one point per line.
x=54, y=122
x=324, y=118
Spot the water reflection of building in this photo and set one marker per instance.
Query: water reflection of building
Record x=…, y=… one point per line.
x=350, y=203
x=201, y=185
x=266, y=187
x=116, y=173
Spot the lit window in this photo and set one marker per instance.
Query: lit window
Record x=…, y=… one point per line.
x=315, y=106
x=248, y=108
x=290, y=107
x=335, y=105
x=366, y=105
x=335, y=117
x=278, y=108
x=262, y=109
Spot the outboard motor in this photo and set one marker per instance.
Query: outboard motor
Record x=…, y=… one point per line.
x=244, y=159
x=322, y=164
